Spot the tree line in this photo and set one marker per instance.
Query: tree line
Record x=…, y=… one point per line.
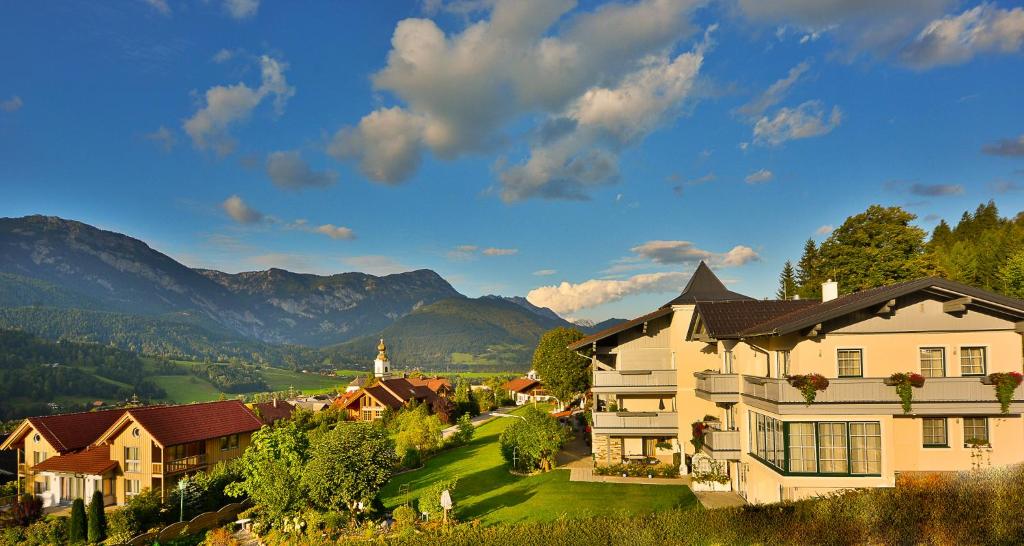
x=881, y=246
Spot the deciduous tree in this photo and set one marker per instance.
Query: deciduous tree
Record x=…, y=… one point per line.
x=565, y=373
x=349, y=466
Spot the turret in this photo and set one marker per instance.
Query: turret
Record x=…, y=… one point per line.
x=382, y=365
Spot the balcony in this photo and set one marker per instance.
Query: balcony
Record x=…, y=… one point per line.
x=634, y=381
x=22, y=469
x=871, y=396
x=636, y=423
x=180, y=465
x=723, y=388
x=722, y=445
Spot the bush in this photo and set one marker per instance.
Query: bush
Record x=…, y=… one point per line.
x=411, y=458
x=465, y=431
x=532, y=443
x=122, y=525
x=77, y=532
x=430, y=500
x=97, y=519
x=404, y=516
x=638, y=470
x=46, y=532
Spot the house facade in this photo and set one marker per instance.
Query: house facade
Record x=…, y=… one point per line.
x=526, y=390
x=722, y=360
x=123, y=452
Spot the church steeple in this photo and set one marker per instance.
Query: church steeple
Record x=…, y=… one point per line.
x=382, y=365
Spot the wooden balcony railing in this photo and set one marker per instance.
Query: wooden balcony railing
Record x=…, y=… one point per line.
x=870, y=395
x=718, y=387
x=184, y=464
x=722, y=444
x=636, y=422
x=635, y=381
x=23, y=468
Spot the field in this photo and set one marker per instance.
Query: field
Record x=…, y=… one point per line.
x=488, y=492
x=187, y=388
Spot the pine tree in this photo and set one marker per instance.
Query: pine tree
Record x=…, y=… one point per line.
x=787, y=282
x=807, y=277
x=97, y=519
x=77, y=532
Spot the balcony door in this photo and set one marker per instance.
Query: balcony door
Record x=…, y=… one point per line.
x=72, y=488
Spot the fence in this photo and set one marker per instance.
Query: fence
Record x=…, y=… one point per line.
x=202, y=522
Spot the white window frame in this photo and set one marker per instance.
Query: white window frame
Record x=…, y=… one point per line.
x=984, y=362
x=863, y=361
x=945, y=359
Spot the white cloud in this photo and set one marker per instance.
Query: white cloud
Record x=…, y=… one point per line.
x=959, y=38
x=528, y=59
x=241, y=9
x=223, y=55
x=739, y=255
x=805, y=121
x=759, y=177
x=160, y=6
x=824, y=230
x=226, y=105
x=775, y=92
x=163, y=137
x=12, y=104
x=240, y=212
x=545, y=272
x=289, y=171
x=569, y=298
x=683, y=252
x=336, y=232
x=500, y=251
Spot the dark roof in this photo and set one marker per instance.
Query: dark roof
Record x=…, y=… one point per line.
x=74, y=431
x=273, y=411
x=93, y=461
x=704, y=286
x=520, y=384
x=620, y=327
x=173, y=425
x=384, y=396
x=812, y=315
x=727, y=319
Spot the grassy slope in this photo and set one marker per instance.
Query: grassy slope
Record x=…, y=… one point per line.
x=488, y=492
x=188, y=388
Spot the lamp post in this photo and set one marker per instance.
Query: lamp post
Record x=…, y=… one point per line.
x=182, y=485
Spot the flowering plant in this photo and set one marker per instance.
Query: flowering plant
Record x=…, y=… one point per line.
x=699, y=428
x=905, y=383
x=808, y=385
x=1006, y=383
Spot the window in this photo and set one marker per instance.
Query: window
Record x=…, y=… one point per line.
x=176, y=452
x=933, y=362
x=972, y=361
x=782, y=357
x=865, y=448
x=770, y=440
x=727, y=361
x=229, y=442
x=832, y=448
x=42, y=486
x=976, y=431
x=38, y=457
x=934, y=432
x=802, y=456
x=850, y=362
x=136, y=432
x=131, y=488
x=131, y=459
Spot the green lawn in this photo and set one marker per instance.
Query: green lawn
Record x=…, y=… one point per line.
x=488, y=492
x=182, y=389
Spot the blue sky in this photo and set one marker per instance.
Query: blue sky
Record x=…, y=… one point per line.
x=584, y=153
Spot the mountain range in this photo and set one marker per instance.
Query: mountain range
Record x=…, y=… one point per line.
x=64, y=279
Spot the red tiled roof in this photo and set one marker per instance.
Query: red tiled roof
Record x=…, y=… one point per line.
x=433, y=383
x=173, y=425
x=93, y=461
x=520, y=384
x=74, y=431
x=273, y=411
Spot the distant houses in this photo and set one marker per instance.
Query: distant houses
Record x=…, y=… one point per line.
x=367, y=402
x=524, y=390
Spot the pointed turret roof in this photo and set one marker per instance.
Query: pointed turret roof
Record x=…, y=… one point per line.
x=705, y=286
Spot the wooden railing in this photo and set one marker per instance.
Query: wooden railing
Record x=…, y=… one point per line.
x=636, y=422
x=23, y=468
x=722, y=444
x=636, y=379
x=183, y=464
x=939, y=395
x=718, y=387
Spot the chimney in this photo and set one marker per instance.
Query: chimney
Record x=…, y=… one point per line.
x=829, y=290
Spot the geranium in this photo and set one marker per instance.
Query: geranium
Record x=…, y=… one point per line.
x=1006, y=384
x=699, y=428
x=905, y=383
x=808, y=385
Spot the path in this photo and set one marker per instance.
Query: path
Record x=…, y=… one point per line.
x=477, y=421
x=246, y=538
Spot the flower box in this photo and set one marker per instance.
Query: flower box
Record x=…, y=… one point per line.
x=710, y=486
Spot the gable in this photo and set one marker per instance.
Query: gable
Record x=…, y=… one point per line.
x=919, y=312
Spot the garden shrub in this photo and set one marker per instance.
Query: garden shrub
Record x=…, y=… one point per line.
x=430, y=499
x=404, y=516
x=97, y=519
x=411, y=458
x=634, y=470
x=47, y=531
x=77, y=530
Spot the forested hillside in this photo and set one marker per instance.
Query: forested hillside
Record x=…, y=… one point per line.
x=35, y=371
x=882, y=246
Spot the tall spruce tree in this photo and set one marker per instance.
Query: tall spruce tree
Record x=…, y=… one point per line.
x=808, y=284
x=787, y=282
x=97, y=519
x=77, y=532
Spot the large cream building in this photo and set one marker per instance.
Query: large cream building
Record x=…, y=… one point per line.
x=715, y=353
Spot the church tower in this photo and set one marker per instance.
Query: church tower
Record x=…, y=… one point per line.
x=382, y=366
